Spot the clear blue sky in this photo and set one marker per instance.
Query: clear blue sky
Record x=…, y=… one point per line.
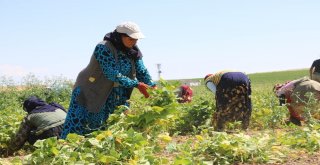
x=188, y=38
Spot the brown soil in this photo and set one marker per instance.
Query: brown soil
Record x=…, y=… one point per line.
x=304, y=159
x=301, y=159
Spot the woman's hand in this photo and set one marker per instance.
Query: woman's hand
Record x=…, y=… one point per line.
x=143, y=89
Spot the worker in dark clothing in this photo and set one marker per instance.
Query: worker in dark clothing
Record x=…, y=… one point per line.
x=42, y=121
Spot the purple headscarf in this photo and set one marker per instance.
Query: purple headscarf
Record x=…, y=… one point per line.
x=35, y=105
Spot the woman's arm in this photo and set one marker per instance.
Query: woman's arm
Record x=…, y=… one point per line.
x=143, y=74
x=20, y=138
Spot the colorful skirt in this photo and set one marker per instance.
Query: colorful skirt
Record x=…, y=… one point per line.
x=233, y=101
x=80, y=121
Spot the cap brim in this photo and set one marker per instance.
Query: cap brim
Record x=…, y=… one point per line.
x=136, y=35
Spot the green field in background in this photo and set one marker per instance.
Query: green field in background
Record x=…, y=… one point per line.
x=277, y=77
x=268, y=77
x=259, y=81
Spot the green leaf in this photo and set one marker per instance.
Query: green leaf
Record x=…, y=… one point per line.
x=95, y=142
x=73, y=138
x=179, y=161
x=54, y=150
x=157, y=109
x=107, y=159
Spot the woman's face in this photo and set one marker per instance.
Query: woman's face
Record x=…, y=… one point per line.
x=128, y=41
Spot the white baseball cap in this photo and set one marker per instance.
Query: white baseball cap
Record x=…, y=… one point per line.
x=131, y=29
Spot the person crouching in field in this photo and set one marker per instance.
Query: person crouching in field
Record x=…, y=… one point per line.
x=184, y=94
x=233, y=98
x=294, y=95
x=42, y=121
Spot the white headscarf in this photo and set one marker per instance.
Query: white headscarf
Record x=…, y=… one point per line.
x=211, y=86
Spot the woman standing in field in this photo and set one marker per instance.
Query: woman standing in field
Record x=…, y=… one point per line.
x=115, y=68
x=233, y=97
x=294, y=94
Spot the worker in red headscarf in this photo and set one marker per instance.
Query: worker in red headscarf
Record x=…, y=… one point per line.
x=184, y=94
